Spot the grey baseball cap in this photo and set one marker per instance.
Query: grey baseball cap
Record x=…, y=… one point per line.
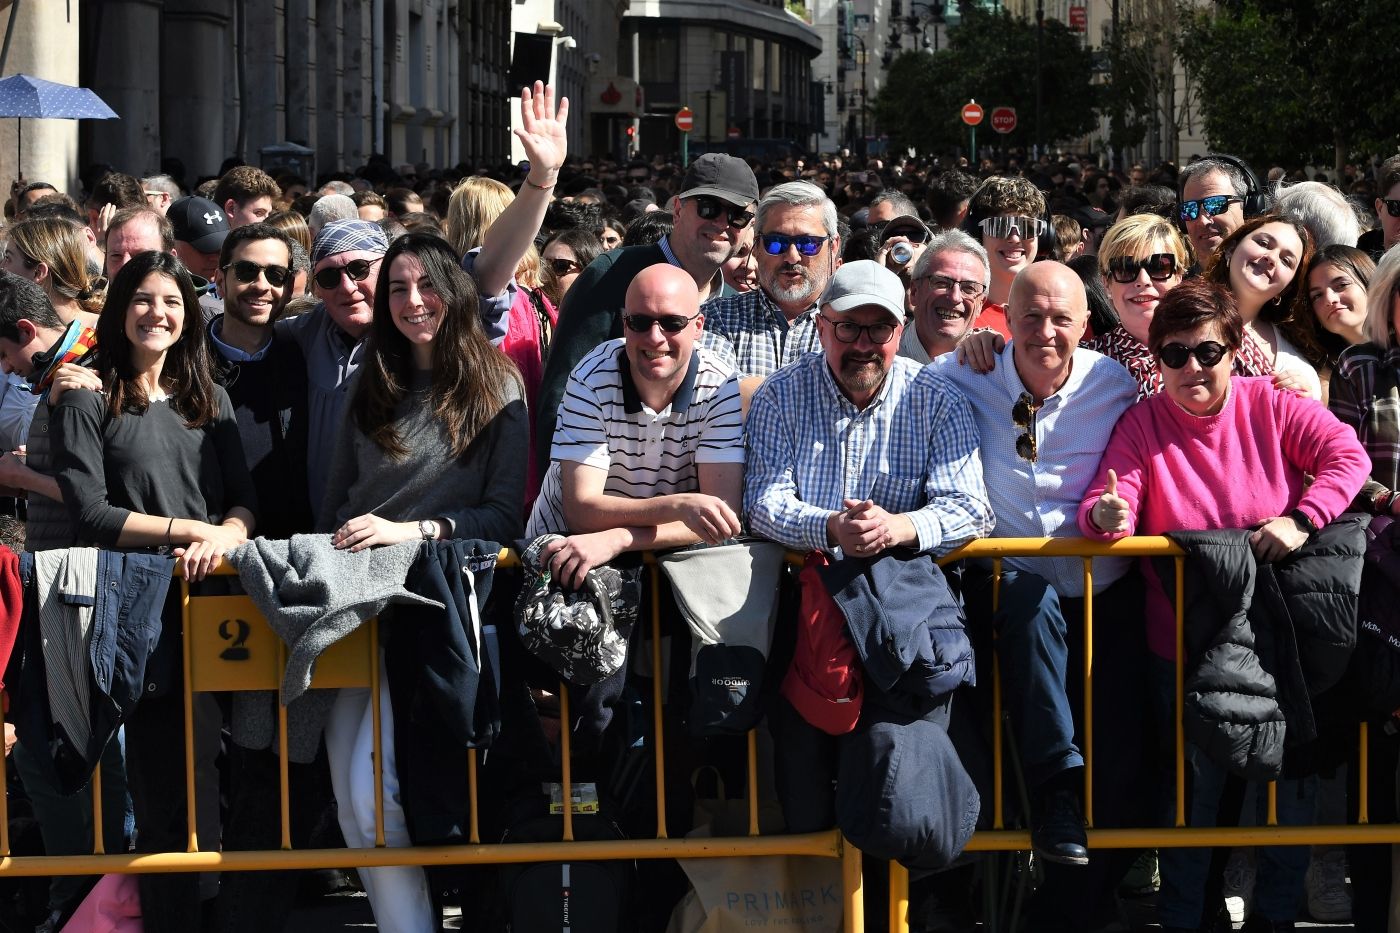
x=861, y=283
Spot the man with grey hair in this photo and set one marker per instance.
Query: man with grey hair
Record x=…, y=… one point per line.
x=949, y=285
x=329, y=208
x=796, y=246
x=1322, y=209
x=161, y=191
x=889, y=204
x=1211, y=202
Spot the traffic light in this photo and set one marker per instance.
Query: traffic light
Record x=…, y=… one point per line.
x=631, y=130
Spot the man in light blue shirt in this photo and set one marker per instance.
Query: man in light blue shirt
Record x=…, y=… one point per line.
x=1045, y=414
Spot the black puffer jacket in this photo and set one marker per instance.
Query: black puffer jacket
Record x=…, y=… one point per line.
x=1263, y=639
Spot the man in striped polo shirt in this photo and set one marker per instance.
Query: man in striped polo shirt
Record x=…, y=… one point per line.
x=648, y=446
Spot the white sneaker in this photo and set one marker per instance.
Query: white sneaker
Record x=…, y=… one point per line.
x=1329, y=901
x=1239, y=884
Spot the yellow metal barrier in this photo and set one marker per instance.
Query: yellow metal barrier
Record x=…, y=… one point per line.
x=227, y=646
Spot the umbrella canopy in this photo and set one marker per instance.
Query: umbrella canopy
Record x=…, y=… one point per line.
x=26, y=96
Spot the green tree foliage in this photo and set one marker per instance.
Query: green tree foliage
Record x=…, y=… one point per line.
x=990, y=57
x=1293, y=81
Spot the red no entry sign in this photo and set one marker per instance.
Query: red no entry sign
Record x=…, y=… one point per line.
x=1004, y=119
x=972, y=113
x=685, y=120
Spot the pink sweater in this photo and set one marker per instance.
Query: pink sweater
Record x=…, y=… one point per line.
x=1233, y=469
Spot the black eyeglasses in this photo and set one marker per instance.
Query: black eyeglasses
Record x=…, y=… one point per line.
x=247, y=272
x=562, y=266
x=670, y=323
x=1392, y=206
x=1213, y=205
x=356, y=269
x=709, y=207
x=1023, y=416
x=850, y=331
x=1208, y=353
x=775, y=244
x=1159, y=266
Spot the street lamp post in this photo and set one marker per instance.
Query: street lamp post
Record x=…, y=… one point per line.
x=917, y=22
x=1039, y=68
x=864, y=59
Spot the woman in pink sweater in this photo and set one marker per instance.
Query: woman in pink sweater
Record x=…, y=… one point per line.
x=1213, y=451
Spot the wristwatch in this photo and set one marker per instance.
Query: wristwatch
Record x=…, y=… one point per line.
x=1305, y=524
x=428, y=529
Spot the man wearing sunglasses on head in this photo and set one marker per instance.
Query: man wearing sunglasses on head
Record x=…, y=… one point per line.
x=1044, y=416
x=715, y=204
x=796, y=249
x=1377, y=241
x=648, y=451
x=1008, y=217
x=1211, y=204
x=345, y=263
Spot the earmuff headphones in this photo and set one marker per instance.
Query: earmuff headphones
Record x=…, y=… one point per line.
x=1256, y=202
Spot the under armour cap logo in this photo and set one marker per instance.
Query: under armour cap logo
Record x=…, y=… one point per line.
x=210, y=217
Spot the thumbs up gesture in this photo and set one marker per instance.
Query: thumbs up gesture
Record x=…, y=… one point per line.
x=1110, y=513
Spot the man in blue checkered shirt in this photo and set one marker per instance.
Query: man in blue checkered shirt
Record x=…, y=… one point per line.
x=856, y=450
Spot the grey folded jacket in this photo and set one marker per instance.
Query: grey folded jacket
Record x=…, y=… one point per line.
x=313, y=594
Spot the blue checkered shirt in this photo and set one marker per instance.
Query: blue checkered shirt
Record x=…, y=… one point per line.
x=759, y=332
x=912, y=450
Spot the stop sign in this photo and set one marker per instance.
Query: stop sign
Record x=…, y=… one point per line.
x=685, y=120
x=1004, y=119
x=972, y=113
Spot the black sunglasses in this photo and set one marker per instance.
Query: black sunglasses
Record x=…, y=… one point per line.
x=1392, y=206
x=1023, y=416
x=562, y=266
x=1208, y=353
x=1159, y=266
x=247, y=272
x=775, y=244
x=1213, y=205
x=356, y=269
x=709, y=208
x=670, y=323
x=850, y=331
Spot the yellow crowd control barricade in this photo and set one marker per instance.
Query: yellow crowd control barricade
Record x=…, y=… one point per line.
x=228, y=646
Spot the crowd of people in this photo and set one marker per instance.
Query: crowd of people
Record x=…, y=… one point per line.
x=871, y=364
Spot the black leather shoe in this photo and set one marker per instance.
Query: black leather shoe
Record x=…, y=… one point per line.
x=1058, y=833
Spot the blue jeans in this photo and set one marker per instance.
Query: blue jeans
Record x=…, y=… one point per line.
x=1278, y=888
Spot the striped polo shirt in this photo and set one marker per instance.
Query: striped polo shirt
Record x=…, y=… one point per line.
x=603, y=423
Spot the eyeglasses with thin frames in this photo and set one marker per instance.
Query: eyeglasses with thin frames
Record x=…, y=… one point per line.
x=941, y=283
x=1023, y=416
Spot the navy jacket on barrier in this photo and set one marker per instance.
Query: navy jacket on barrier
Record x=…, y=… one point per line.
x=905, y=623
x=441, y=666
x=130, y=658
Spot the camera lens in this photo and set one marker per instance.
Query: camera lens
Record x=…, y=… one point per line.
x=901, y=253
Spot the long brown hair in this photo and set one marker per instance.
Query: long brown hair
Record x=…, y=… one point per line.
x=60, y=245
x=187, y=364
x=470, y=376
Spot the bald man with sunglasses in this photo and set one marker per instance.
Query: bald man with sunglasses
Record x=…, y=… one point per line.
x=648, y=452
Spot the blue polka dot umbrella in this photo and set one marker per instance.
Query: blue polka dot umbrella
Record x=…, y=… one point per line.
x=25, y=96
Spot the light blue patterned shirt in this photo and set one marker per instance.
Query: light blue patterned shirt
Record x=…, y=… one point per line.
x=912, y=450
x=763, y=339
x=1041, y=499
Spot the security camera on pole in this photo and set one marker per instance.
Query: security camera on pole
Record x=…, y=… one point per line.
x=972, y=114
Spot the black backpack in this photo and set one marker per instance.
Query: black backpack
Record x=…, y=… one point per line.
x=565, y=896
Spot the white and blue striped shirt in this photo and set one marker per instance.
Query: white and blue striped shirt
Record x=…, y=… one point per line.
x=912, y=450
x=1072, y=427
x=602, y=423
